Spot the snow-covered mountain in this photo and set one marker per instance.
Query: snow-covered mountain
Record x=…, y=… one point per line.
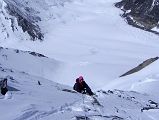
x=89, y=37
x=29, y=14
x=142, y=14
x=77, y=37
x=52, y=101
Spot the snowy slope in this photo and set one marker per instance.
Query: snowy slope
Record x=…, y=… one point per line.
x=144, y=81
x=53, y=101
x=29, y=62
x=86, y=37
x=32, y=101
x=92, y=40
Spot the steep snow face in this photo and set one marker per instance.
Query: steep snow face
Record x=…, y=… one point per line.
x=92, y=40
x=53, y=101
x=29, y=62
x=34, y=101
x=128, y=105
x=88, y=43
x=144, y=81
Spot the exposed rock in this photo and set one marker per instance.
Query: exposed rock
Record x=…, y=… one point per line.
x=153, y=103
x=143, y=14
x=26, y=18
x=67, y=90
x=140, y=66
x=39, y=83
x=148, y=108
x=100, y=116
x=21, y=51
x=36, y=54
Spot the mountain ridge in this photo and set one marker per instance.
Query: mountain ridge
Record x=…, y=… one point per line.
x=142, y=14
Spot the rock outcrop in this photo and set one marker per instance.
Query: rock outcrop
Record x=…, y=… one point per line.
x=143, y=14
x=140, y=66
x=27, y=17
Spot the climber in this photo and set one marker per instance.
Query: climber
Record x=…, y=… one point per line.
x=82, y=87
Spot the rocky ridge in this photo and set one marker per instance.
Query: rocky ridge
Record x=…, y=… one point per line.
x=142, y=14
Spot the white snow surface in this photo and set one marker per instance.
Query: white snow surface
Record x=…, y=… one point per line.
x=41, y=66
x=91, y=39
x=144, y=81
x=54, y=101
x=82, y=37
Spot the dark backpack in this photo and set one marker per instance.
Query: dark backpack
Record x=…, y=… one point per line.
x=4, y=91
